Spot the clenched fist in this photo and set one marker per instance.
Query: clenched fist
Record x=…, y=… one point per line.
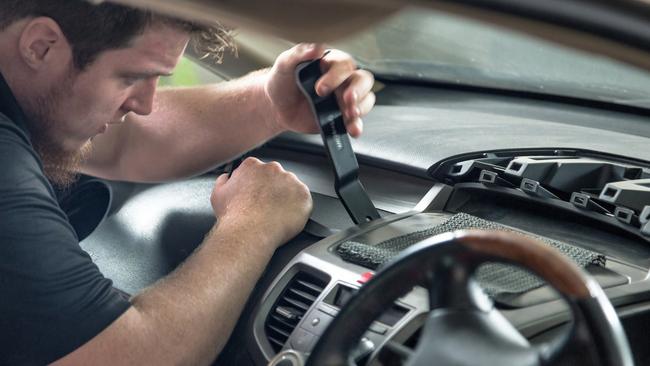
x=263, y=197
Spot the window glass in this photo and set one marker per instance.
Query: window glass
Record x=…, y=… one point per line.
x=189, y=73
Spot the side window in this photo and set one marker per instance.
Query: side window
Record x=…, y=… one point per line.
x=189, y=73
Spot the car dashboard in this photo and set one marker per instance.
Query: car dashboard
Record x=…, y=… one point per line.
x=145, y=230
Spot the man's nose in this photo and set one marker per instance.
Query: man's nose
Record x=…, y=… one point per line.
x=141, y=100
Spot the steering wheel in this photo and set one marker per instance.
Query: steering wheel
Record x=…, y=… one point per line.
x=462, y=327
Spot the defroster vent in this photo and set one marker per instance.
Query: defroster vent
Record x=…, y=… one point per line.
x=291, y=306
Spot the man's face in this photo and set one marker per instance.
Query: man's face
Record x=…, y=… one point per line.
x=82, y=104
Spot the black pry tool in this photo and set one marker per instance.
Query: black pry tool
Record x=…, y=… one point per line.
x=337, y=144
x=234, y=164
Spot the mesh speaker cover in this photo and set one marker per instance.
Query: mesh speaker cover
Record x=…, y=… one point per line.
x=495, y=278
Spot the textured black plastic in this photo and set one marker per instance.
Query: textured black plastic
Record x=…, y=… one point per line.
x=337, y=144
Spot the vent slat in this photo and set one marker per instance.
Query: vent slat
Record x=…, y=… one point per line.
x=278, y=343
x=304, y=295
x=283, y=333
x=290, y=307
x=284, y=321
x=297, y=304
x=313, y=287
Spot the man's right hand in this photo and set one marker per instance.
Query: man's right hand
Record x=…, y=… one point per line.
x=262, y=197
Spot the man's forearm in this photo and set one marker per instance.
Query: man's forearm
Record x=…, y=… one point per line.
x=190, y=131
x=221, y=275
x=186, y=318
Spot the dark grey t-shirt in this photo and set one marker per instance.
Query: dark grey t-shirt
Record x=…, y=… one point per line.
x=53, y=298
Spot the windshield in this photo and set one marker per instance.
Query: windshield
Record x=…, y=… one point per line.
x=428, y=45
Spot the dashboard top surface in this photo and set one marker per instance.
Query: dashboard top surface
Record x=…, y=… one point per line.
x=415, y=137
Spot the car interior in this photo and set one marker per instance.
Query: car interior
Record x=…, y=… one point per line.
x=495, y=211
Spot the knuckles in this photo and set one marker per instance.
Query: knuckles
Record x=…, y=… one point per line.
x=275, y=167
x=257, y=175
x=366, y=74
x=341, y=59
x=350, y=64
x=251, y=161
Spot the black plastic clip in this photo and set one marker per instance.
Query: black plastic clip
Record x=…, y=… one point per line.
x=488, y=177
x=491, y=178
x=624, y=214
x=644, y=217
x=533, y=188
x=645, y=229
x=337, y=144
x=580, y=199
x=460, y=169
x=584, y=201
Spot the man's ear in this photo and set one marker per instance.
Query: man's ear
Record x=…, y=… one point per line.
x=42, y=43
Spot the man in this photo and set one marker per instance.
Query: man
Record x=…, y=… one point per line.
x=79, y=94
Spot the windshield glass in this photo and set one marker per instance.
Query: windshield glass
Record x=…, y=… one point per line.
x=428, y=45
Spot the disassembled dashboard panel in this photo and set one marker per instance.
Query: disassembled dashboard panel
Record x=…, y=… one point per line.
x=607, y=188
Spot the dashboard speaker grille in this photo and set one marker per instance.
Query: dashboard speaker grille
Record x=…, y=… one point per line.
x=294, y=302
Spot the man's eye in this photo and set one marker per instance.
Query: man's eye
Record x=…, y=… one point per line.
x=129, y=81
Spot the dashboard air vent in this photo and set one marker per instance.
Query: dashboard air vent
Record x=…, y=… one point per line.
x=294, y=302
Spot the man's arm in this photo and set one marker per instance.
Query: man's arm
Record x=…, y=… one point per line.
x=189, y=131
x=186, y=318
x=176, y=322
x=192, y=130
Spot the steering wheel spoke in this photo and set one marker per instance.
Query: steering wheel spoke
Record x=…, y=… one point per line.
x=451, y=284
x=395, y=353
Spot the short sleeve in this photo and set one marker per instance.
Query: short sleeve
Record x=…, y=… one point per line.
x=53, y=298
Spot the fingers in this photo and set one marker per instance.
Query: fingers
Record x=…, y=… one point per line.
x=356, y=98
x=365, y=105
x=354, y=127
x=214, y=196
x=353, y=122
x=223, y=179
x=337, y=67
x=353, y=89
x=289, y=59
x=252, y=161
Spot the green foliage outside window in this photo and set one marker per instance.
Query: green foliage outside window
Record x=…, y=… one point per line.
x=189, y=73
x=185, y=74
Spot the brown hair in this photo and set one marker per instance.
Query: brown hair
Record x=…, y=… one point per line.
x=92, y=29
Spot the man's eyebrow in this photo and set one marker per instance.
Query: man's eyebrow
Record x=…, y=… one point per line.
x=146, y=74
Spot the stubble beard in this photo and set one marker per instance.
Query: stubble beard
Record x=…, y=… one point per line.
x=60, y=166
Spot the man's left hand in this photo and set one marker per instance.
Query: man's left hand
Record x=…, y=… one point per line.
x=353, y=89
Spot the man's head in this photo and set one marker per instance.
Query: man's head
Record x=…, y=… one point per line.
x=76, y=67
